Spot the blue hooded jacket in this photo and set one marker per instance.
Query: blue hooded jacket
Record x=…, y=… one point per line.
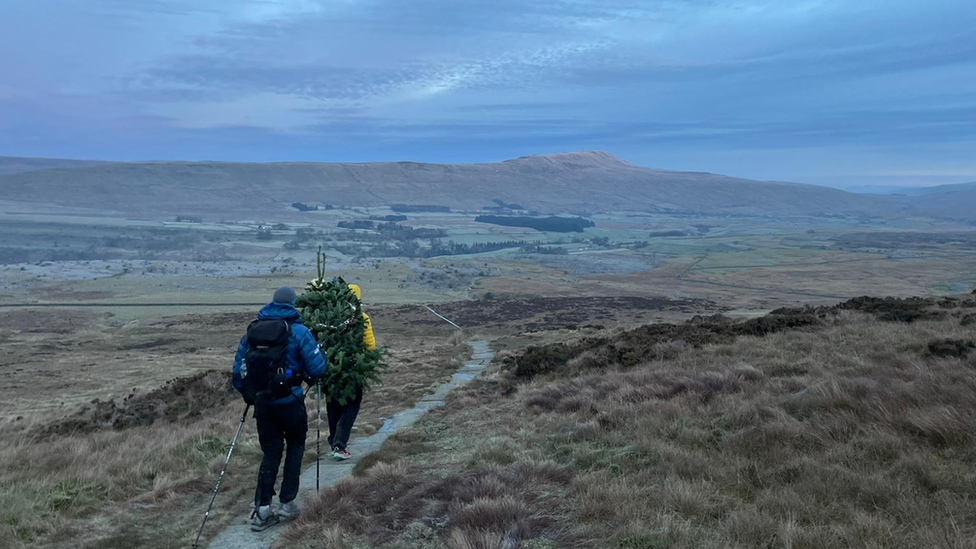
x=303, y=354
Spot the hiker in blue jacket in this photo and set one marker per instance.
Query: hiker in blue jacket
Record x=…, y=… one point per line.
x=279, y=411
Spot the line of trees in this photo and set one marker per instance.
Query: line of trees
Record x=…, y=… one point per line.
x=357, y=224
x=544, y=250
x=416, y=208
x=552, y=224
x=403, y=232
x=302, y=207
x=413, y=249
x=453, y=248
x=392, y=230
x=503, y=206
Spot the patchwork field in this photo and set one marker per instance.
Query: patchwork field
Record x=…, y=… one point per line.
x=753, y=263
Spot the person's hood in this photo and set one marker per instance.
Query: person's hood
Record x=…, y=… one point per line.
x=356, y=291
x=285, y=311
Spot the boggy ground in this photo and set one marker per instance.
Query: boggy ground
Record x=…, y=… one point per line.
x=536, y=314
x=844, y=426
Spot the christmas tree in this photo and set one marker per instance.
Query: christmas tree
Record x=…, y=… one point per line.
x=334, y=315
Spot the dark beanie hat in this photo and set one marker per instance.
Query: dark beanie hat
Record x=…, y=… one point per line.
x=284, y=294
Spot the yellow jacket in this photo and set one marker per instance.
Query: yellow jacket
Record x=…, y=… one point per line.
x=369, y=340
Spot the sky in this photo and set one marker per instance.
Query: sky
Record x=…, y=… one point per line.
x=835, y=92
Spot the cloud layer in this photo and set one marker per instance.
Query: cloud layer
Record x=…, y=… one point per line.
x=829, y=91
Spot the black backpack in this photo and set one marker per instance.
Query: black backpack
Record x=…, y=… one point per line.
x=266, y=376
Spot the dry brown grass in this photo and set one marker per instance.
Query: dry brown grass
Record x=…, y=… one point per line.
x=850, y=434
x=143, y=486
x=392, y=503
x=138, y=471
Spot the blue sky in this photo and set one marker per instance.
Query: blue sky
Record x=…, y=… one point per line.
x=837, y=92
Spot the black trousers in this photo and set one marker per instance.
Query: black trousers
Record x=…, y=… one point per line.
x=278, y=425
x=341, y=418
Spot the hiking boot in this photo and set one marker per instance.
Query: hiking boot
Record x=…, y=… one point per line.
x=289, y=511
x=340, y=454
x=264, y=518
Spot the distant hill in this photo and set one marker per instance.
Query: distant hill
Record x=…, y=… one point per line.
x=954, y=201
x=14, y=164
x=955, y=204
x=938, y=189
x=579, y=182
x=877, y=189
x=912, y=191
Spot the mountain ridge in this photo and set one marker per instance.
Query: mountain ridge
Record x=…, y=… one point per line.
x=573, y=182
x=24, y=164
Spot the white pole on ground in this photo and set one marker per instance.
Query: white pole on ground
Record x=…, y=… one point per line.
x=438, y=315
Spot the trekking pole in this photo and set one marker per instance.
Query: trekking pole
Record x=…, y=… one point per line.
x=318, y=433
x=221, y=477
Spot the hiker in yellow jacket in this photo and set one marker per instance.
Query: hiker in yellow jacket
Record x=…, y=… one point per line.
x=369, y=340
x=342, y=417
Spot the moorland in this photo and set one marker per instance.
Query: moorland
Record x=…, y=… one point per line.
x=693, y=367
